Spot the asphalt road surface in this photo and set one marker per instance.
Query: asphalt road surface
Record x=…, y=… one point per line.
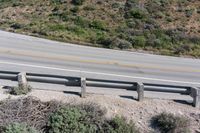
x=30, y=54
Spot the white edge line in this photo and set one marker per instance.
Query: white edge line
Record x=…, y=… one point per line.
x=99, y=73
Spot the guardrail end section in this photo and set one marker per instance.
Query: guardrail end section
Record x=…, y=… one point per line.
x=195, y=94
x=140, y=91
x=22, y=81
x=83, y=87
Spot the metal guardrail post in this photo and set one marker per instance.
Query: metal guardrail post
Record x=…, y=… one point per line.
x=140, y=91
x=83, y=87
x=195, y=94
x=22, y=81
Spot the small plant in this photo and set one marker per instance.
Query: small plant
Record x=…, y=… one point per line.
x=78, y=2
x=189, y=12
x=16, y=26
x=21, y=90
x=120, y=125
x=136, y=13
x=169, y=123
x=18, y=128
x=96, y=24
x=120, y=43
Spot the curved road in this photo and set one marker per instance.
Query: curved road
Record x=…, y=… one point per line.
x=30, y=54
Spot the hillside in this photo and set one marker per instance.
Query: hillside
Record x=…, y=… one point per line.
x=170, y=27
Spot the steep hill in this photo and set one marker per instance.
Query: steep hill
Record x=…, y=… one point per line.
x=170, y=27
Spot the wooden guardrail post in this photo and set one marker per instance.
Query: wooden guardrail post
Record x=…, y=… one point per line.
x=22, y=81
x=140, y=91
x=83, y=87
x=195, y=94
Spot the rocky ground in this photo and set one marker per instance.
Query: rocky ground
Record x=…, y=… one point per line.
x=140, y=112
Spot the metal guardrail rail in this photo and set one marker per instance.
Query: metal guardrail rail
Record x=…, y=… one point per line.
x=23, y=78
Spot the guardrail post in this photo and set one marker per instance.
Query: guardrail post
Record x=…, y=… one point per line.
x=83, y=87
x=22, y=81
x=195, y=94
x=140, y=91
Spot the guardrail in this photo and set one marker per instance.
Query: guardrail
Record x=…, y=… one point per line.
x=23, y=78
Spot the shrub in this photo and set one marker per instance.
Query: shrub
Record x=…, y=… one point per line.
x=20, y=90
x=136, y=13
x=184, y=48
x=96, y=24
x=120, y=125
x=16, y=26
x=189, y=12
x=89, y=8
x=79, y=119
x=120, y=43
x=19, y=128
x=74, y=9
x=83, y=22
x=139, y=41
x=78, y=2
x=169, y=123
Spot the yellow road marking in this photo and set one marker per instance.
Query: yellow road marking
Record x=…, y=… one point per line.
x=92, y=61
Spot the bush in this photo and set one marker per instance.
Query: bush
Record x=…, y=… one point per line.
x=136, y=13
x=139, y=41
x=87, y=119
x=21, y=90
x=96, y=24
x=182, y=49
x=119, y=125
x=16, y=26
x=78, y=2
x=19, y=128
x=169, y=123
x=189, y=12
x=120, y=43
x=79, y=119
x=81, y=22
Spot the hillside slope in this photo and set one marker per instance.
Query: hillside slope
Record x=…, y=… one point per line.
x=170, y=27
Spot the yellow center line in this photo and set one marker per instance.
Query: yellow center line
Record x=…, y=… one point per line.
x=53, y=56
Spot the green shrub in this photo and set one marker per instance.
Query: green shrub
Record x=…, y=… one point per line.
x=182, y=49
x=169, y=123
x=78, y=2
x=20, y=90
x=89, y=8
x=57, y=1
x=77, y=30
x=87, y=119
x=83, y=22
x=189, y=12
x=17, y=26
x=136, y=13
x=139, y=41
x=96, y=24
x=120, y=43
x=19, y=128
x=74, y=9
x=76, y=119
x=120, y=125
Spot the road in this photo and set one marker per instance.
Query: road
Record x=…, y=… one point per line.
x=30, y=54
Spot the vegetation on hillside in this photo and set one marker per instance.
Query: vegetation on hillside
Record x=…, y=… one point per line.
x=170, y=27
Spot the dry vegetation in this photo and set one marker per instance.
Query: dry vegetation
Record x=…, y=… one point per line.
x=170, y=27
